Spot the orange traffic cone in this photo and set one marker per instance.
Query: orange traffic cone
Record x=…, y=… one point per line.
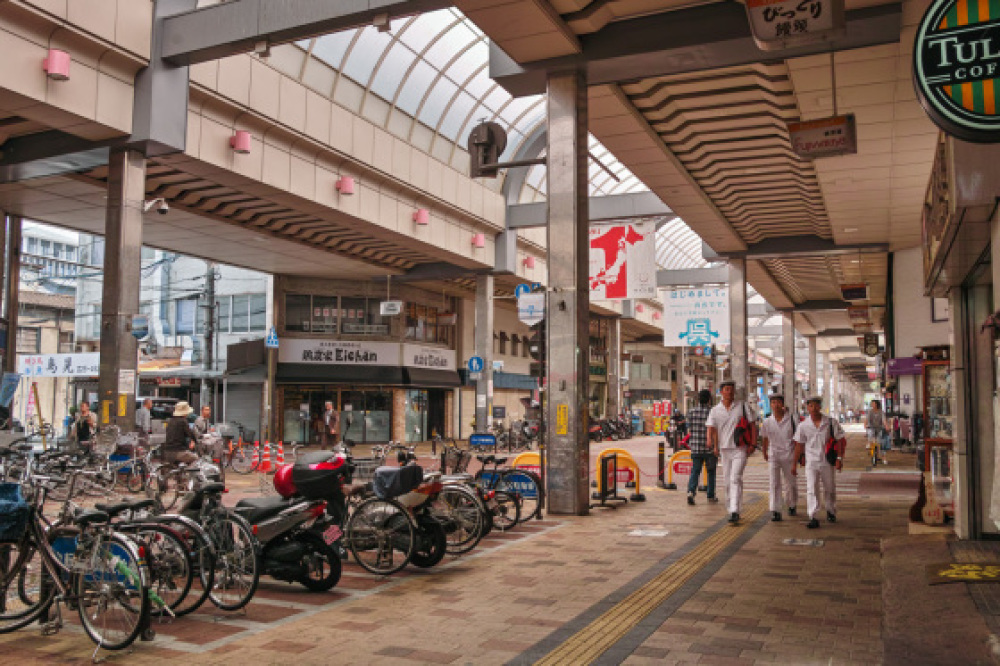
x=265, y=461
x=281, y=453
x=256, y=454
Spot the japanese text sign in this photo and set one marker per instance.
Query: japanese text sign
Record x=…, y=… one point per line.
x=696, y=317
x=783, y=23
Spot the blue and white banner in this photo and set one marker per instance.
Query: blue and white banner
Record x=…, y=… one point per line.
x=696, y=317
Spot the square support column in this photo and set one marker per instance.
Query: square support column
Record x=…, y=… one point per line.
x=788, y=356
x=484, y=349
x=614, y=367
x=13, y=280
x=740, y=350
x=122, y=256
x=567, y=310
x=813, y=377
x=825, y=364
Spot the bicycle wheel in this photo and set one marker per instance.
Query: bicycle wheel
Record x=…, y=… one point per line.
x=237, y=561
x=526, y=486
x=165, y=487
x=241, y=460
x=113, y=595
x=171, y=571
x=380, y=535
x=25, y=597
x=507, y=510
x=431, y=544
x=136, y=482
x=461, y=514
x=202, y=554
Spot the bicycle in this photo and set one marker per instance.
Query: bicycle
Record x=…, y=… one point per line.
x=84, y=564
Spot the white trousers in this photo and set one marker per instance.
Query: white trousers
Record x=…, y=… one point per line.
x=779, y=466
x=816, y=473
x=734, y=461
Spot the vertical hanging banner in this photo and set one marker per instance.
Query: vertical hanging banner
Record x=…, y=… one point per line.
x=623, y=261
x=696, y=317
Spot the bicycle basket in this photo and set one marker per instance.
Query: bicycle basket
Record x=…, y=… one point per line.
x=13, y=513
x=106, y=441
x=364, y=468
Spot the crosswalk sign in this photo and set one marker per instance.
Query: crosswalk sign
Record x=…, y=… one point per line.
x=271, y=341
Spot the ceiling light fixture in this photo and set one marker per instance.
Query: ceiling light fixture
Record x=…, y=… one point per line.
x=56, y=65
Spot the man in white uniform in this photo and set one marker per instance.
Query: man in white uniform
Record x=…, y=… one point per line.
x=811, y=438
x=721, y=424
x=778, y=449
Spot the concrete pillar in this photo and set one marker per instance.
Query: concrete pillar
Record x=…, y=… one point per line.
x=484, y=349
x=738, y=326
x=13, y=289
x=825, y=363
x=788, y=356
x=813, y=377
x=614, y=361
x=122, y=256
x=567, y=311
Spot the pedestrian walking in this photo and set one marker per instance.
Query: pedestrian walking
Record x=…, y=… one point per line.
x=822, y=441
x=701, y=454
x=331, y=426
x=144, y=418
x=875, y=424
x=779, y=453
x=722, y=423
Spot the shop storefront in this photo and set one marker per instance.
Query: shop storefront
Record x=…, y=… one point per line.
x=383, y=391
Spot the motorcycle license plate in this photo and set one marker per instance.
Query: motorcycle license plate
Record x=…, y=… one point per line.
x=332, y=534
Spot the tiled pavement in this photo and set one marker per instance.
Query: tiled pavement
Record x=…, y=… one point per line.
x=747, y=599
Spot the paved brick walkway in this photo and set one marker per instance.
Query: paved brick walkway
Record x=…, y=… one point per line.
x=726, y=595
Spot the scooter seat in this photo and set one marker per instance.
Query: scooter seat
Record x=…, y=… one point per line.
x=486, y=460
x=257, y=509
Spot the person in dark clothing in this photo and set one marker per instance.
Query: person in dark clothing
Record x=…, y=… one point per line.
x=179, y=446
x=701, y=454
x=84, y=427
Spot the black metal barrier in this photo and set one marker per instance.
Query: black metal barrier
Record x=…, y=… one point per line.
x=608, y=490
x=661, y=464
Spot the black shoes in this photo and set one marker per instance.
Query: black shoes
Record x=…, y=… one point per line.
x=690, y=499
x=831, y=517
x=775, y=516
x=812, y=524
x=791, y=511
x=734, y=518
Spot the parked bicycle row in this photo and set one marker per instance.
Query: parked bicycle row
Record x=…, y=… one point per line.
x=120, y=564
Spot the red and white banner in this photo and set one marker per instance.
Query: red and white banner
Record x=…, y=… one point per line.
x=623, y=261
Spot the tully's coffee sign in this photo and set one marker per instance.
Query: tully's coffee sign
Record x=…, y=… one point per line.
x=956, y=67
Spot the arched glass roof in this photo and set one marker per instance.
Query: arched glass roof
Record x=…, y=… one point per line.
x=426, y=80
x=677, y=246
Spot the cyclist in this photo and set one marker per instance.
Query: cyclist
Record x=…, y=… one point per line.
x=875, y=427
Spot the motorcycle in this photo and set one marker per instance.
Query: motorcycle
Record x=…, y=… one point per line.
x=421, y=491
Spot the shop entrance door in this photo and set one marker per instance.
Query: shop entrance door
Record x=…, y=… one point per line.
x=435, y=412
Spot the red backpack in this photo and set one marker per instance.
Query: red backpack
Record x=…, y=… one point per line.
x=746, y=432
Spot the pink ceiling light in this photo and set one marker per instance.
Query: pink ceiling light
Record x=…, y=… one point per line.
x=240, y=142
x=56, y=65
x=422, y=216
x=529, y=262
x=345, y=185
x=640, y=308
x=657, y=316
x=478, y=240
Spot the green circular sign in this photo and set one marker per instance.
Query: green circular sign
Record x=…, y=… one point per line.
x=956, y=67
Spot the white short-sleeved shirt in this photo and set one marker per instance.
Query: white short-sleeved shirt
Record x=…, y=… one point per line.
x=725, y=420
x=779, y=434
x=814, y=437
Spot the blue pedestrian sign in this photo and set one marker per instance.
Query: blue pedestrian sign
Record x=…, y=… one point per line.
x=522, y=289
x=271, y=341
x=476, y=364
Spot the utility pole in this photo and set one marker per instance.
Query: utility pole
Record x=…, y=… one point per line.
x=208, y=355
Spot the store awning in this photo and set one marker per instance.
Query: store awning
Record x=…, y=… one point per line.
x=426, y=378
x=362, y=375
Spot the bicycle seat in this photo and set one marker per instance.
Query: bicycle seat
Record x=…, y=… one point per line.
x=499, y=461
x=92, y=518
x=256, y=509
x=113, y=509
x=486, y=460
x=212, y=488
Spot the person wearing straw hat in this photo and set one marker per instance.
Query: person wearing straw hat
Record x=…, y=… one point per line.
x=778, y=450
x=822, y=441
x=722, y=422
x=181, y=441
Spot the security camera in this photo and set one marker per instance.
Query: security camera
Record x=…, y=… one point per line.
x=161, y=205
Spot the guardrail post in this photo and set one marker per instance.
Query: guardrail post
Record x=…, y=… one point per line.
x=661, y=462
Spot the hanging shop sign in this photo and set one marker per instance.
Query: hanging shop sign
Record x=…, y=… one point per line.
x=956, y=67
x=858, y=314
x=906, y=365
x=390, y=308
x=60, y=365
x=824, y=137
x=854, y=292
x=623, y=261
x=338, y=352
x=531, y=308
x=871, y=344
x=696, y=317
x=435, y=358
x=778, y=24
